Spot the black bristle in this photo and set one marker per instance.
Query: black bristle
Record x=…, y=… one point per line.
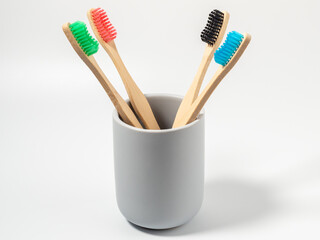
x=211, y=32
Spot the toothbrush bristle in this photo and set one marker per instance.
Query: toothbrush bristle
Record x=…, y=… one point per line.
x=211, y=31
x=87, y=43
x=105, y=28
x=224, y=54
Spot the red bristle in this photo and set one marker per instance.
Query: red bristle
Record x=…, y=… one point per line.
x=103, y=25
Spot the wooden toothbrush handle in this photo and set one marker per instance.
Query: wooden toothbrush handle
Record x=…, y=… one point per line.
x=137, y=99
x=198, y=104
x=194, y=89
x=120, y=104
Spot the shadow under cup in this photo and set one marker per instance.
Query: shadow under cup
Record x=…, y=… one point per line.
x=159, y=174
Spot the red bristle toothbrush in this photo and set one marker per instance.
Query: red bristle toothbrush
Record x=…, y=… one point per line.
x=106, y=33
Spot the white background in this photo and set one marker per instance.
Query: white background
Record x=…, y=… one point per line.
x=262, y=122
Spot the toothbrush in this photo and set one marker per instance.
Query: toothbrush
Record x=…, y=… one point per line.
x=85, y=46
x=227, y=56
x=106, y=33
x=212, y=34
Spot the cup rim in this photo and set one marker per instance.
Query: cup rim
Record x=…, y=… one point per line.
x=116, y=118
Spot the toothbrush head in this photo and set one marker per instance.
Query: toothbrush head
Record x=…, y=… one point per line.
x=225, y=53
x=100, y=19
x=211, y=31
x=86, y=42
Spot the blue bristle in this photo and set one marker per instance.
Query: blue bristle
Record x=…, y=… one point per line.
x=223, y=55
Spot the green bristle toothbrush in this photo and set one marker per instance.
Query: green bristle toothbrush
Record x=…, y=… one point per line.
x=85, y=46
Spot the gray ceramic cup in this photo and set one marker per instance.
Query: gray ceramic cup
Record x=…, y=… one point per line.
x=159, y=174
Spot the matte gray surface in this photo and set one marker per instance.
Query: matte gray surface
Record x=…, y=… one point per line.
x=159, y=173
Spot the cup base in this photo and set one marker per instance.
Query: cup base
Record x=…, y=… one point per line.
x=141, y=227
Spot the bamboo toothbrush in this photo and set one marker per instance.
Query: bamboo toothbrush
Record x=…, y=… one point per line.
x=212, y=34
x=85, y=46
x=227, y=56
x=106, y=33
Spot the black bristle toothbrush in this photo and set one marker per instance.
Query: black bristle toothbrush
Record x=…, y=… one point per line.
x=212, y=34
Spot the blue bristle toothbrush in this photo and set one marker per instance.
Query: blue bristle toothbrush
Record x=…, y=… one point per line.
x=227, y=56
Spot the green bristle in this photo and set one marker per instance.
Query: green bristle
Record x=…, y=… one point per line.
x=87, y=43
